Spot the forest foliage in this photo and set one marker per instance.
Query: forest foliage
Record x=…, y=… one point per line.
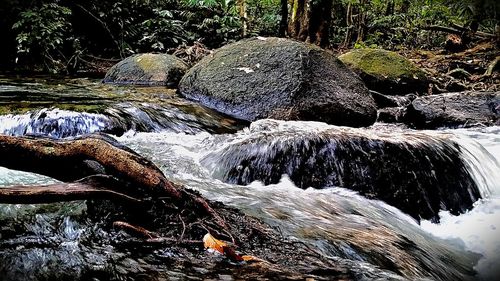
x=60, y=35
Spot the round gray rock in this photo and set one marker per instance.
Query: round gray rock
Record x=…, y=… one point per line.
x=282, y=79
x=147, y=69
x=462, y=109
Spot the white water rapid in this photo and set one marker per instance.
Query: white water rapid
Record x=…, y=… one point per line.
x=378, y=240
x=327, y=216
x=479, y=229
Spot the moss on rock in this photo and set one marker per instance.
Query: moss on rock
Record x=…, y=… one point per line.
x=147, y=69
x=386, y=72
x=279, y=78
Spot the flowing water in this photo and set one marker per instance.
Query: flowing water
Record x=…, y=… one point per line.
x=378, y=240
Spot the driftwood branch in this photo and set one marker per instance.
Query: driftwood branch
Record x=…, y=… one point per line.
x=58, y=192
x=97, y=168
x=74, y=159
x=136, y=230
x=492, y=66
x=458, y=31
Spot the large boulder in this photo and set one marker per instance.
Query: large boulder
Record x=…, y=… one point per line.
x=147, y=69
x=386, y=72
x=454, y=110
x=420, y=173
x=281, y=79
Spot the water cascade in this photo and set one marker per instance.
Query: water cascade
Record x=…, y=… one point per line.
x=420, y=173
x=62, y=111
x=385, y=202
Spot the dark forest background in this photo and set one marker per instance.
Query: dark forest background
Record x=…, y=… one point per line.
x=63, y=36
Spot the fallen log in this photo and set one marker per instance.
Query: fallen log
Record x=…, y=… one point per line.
x=477, y=34
x=102, y=169
x=70, y=160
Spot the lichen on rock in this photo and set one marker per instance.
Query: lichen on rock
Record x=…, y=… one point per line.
x=147, y=69
x=282, y=79
x=386, y=72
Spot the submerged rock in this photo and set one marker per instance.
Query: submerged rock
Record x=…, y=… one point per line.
x=386, y=72
x=419, y=173
x=147, y=69
x=455, y=110
x=282, y=79
x=76, y=107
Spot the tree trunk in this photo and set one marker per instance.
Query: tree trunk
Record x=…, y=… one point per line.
x=389, y=11
x=284, y=18
x=298, y=19
x=361, y=20
x=310, y=21
x=320, y=20
x=242, y=6
x=349, y=25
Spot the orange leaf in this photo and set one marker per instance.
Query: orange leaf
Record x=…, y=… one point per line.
x=222, y=247
x=211, y=243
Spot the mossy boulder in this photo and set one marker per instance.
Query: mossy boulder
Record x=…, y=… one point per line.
x=147, y=69
x=386, y=72
x=279, y=78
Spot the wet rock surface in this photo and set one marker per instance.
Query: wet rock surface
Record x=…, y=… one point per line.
x=418, y=174
x=68, y=108
x=454, y=110
x=320, y=234
x=147, y=69
x=73, y=242
x=281, y=79
x=391, y=114
x=386, y=72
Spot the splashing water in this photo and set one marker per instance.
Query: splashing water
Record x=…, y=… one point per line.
x=337, y=222
x=478, y=229
x=55, y=123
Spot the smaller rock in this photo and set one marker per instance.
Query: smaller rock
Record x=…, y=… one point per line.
x=386, y=72
x=390, y=114
x=463, y=109
x=147, y=69
x=384, y=101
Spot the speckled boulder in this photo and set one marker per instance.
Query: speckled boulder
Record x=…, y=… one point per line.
x=463, y=109
x=386, y=72
x=279, y=78
x=147, y=69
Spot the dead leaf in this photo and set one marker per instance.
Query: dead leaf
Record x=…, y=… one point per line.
x=211, y=243
x=226, y=249
x=222, y=247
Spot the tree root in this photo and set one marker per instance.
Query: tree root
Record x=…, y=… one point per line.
x=59, y=192
x=492, y=66
x=136, y=230
x=96, y=168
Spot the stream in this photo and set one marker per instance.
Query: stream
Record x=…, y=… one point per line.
x=377, y=240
